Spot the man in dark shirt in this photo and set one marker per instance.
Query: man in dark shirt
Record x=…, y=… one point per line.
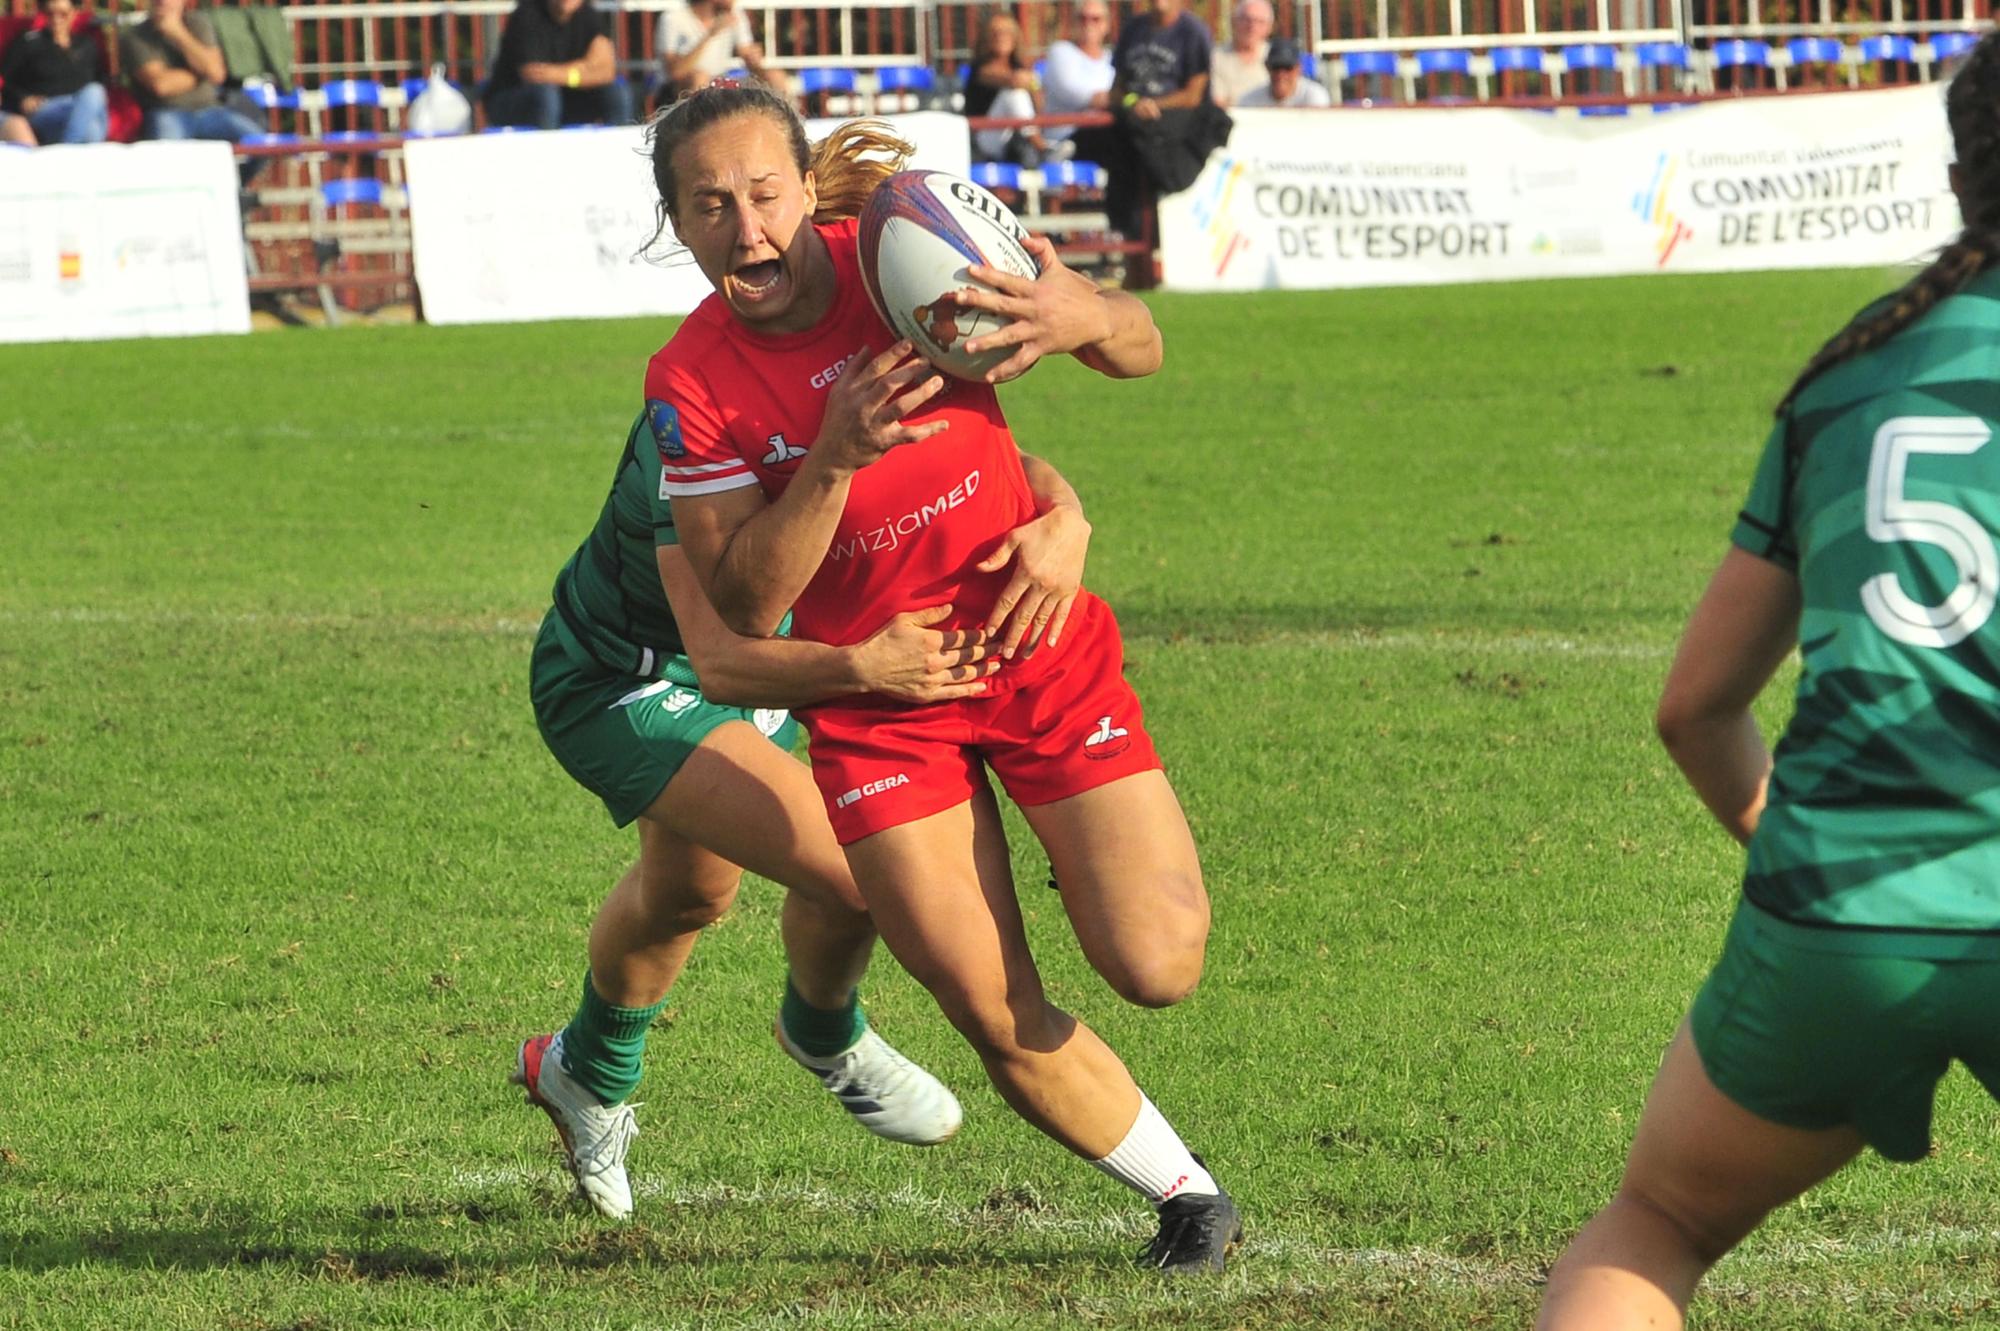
x=54, y=75
x=177, y=70
x=556, y=67
x=1161, y=62
x=1166, y=124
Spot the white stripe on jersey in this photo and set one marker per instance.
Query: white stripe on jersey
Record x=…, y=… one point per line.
x=701, y=468
x=689, y=489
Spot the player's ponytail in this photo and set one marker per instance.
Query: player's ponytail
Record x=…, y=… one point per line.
x=849, y=163
x=1973, y=107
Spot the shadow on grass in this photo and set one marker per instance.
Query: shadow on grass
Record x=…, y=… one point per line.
x=374, y=1244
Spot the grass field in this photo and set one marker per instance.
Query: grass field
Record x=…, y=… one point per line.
x=285, y=873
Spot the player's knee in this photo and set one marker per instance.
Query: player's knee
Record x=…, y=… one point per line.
x=997, y=1025
x=1164, y=966
x=691, y=903
x=1158, y=980
x=1707, y=1238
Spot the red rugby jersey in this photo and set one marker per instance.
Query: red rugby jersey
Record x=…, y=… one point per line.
x=742, y=408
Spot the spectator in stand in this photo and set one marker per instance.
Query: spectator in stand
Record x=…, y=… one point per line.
x=177, y=72
x=702, y=40
x=14, y=131
x=1166, y=124
x=1004, y=85
x=1288, y=86
x=1241, y=68
x=54, y=76
x=1079, y=72
x=556, y=67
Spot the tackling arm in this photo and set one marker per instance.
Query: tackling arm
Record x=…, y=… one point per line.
x=905, y=659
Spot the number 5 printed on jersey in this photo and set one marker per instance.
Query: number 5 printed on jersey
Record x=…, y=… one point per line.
x=1892, y=516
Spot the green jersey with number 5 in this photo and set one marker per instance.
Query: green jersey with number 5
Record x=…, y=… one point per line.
x=1880, y=490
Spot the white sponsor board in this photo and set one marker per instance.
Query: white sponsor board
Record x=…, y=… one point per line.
x=1302, y=199
x=120, y=240
x=555, y=225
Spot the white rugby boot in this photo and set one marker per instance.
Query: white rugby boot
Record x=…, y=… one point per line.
x=595, y=1136
x=887, y=1093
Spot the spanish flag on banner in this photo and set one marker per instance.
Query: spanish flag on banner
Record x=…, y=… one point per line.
x=69, y=265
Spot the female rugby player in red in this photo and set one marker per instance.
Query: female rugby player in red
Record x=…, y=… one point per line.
x=814, y=465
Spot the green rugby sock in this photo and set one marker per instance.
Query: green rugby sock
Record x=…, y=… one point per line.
x=604, y=1047
x=820, y=1032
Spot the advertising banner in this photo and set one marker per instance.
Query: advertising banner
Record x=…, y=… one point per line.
x=1302, y=199
x=557, y=225
x=118, y=240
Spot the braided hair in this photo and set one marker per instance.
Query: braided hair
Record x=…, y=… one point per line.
x=846, y=165
x=1972, y=106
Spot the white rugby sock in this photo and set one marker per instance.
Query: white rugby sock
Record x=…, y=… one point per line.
x=1154, y=1162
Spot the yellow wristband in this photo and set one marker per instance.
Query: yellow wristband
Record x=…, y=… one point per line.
x=575, y=77
x=1131, y=99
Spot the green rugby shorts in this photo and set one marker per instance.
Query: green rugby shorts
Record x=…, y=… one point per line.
x=623, y=737
x=1813, y=1030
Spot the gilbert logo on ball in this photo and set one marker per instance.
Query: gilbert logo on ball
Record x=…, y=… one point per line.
x=920, y=233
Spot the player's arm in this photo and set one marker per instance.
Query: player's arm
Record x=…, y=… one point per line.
x=754, y=556
x=598, y=67
x=905, y=659
x=1745, y=625
x=1191, y=93
x=1048, y=555
x=1063, y=312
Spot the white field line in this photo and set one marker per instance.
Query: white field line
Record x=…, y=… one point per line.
x=1762, y=1267
x=1333, y=640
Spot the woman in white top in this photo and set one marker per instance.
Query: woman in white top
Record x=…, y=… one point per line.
x=702, y=40
x=1079, y=73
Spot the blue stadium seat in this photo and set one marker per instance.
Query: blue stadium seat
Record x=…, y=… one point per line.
x=1517, y=59
x=997, y=175
x=1444, y=62
x=266, y=95
x=906, y=78
x=1736, y=53
x=345, y=192
x=1891, y=46
x=1815, y=51
x=904, y=83
x=1662, y=55
x=1370, y=64
x=266, y=140
x=815, y=81
x=352, y=92
x=1598, y=109
x=1072, y=175
x=1592, y=55
x=1951, y=45
x=411, y=87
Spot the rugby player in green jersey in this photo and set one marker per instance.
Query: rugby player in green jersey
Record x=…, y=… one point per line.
x=678, y=724
x=1865, y=953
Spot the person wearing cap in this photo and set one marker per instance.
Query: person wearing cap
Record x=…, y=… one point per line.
x=1288, y=86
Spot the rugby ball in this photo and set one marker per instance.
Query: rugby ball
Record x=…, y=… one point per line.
x=920, y=232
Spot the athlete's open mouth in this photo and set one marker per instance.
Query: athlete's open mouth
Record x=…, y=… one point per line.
x=754, y=279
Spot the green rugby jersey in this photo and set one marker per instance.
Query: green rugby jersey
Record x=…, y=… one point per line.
x=1880, y=490
x=609, y=594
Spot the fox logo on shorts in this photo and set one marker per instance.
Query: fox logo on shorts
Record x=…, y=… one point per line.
x=1107, y=741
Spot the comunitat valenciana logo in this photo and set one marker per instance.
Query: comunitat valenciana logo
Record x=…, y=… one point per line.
x=1650, y=205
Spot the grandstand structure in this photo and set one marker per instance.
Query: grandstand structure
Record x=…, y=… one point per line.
x=332, y=214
